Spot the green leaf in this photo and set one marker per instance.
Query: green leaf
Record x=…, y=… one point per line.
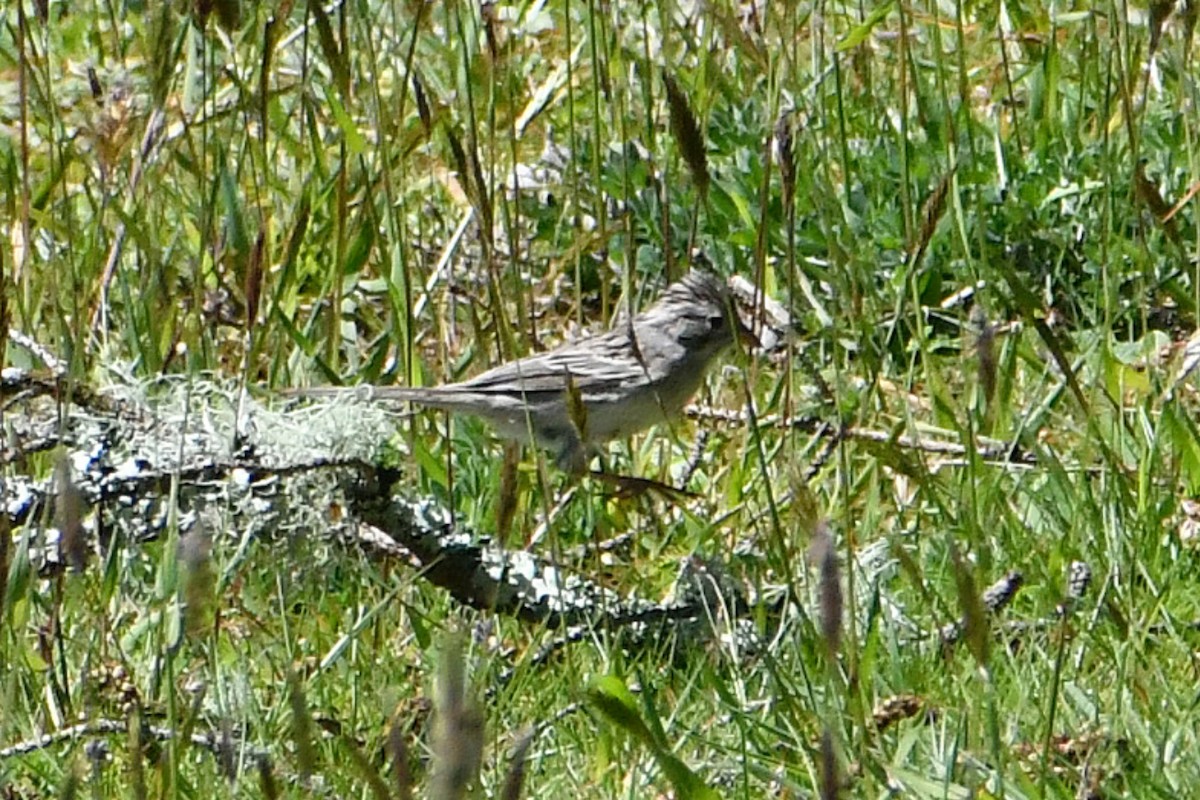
x=355, y=142
x=615, y=702
x=235, y=219
x=360, y=249
x=609, y=695
x=431, y=465
x=859, y=34
x=20, y=573
x=334, y=53
x=1185, y=438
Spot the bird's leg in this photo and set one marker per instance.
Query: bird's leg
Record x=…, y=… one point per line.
x=572, y=457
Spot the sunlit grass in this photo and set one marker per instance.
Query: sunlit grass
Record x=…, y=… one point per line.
x=417, y=191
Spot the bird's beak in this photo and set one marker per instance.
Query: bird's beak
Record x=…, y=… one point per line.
x=747, y=338
x=745, y=333
x=763, y=324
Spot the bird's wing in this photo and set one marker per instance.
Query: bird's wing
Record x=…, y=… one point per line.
x=589, y=370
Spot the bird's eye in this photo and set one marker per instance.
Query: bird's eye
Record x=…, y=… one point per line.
x=716, y=322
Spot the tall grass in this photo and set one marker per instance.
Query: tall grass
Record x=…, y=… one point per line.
x=979, y=216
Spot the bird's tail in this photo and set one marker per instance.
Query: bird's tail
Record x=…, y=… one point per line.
x=365, y=392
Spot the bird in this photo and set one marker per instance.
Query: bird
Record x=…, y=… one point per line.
x=576, y=397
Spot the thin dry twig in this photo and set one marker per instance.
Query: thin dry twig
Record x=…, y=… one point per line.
x=988, y=449
x=211, y=740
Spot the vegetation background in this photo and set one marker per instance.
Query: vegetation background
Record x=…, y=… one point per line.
x=979, y=215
